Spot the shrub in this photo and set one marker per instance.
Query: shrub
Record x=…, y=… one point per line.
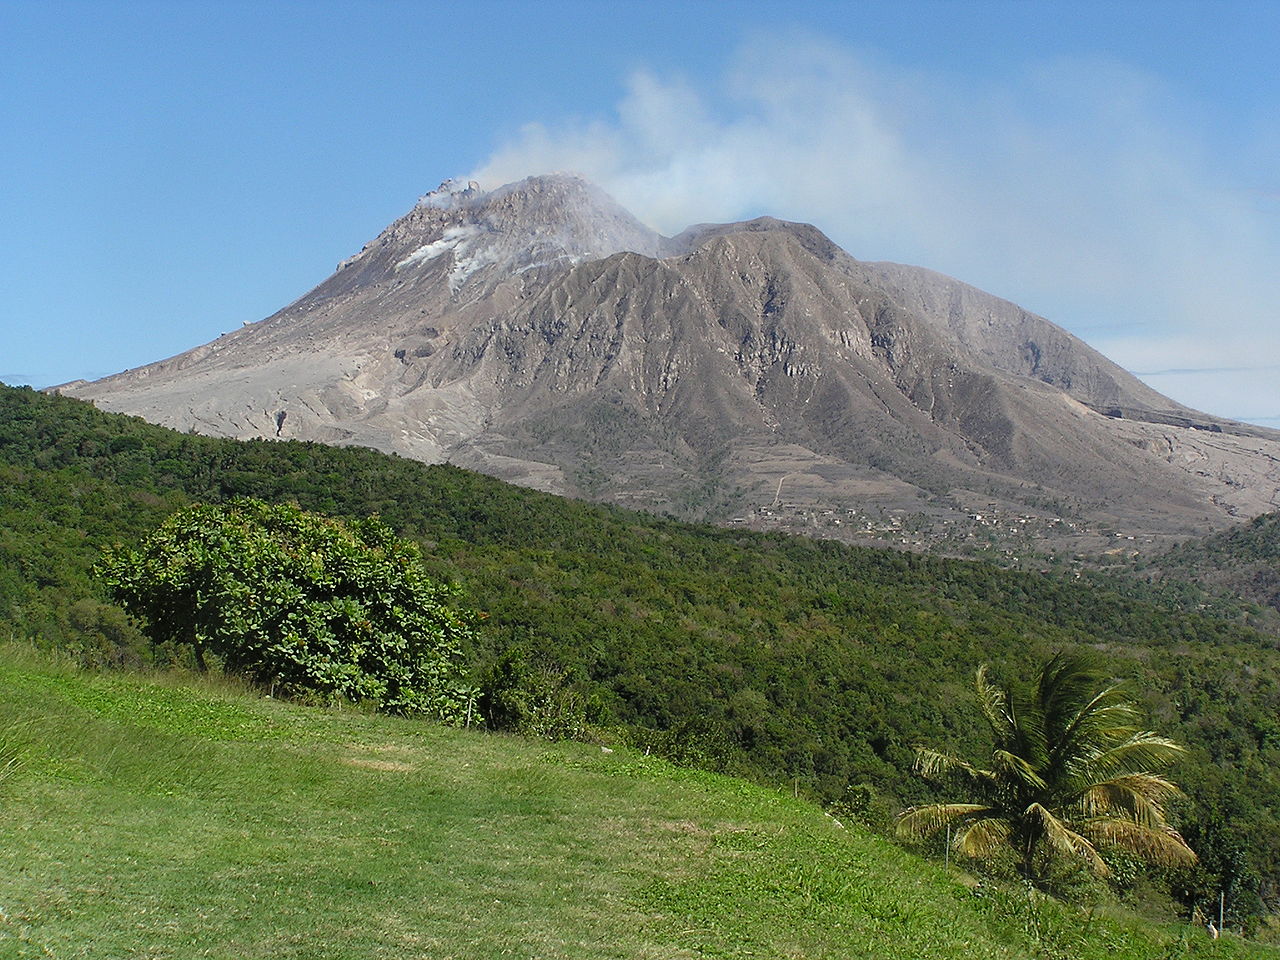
x=304, y=602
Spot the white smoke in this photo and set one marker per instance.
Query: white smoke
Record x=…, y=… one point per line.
x=1085, y=191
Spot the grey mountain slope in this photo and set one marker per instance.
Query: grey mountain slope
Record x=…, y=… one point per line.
x=540, y=333
x=1003, y=334
x=1016, y=341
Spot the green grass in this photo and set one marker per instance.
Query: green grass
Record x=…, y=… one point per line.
x=163, y=818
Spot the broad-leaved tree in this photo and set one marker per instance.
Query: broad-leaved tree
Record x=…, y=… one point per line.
x=299, y=600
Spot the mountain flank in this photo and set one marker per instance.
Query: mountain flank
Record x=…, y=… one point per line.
x=750, y=373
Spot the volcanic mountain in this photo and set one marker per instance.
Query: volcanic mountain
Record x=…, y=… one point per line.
x=751, y=372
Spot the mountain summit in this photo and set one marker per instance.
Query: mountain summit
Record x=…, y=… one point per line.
x=749, y=371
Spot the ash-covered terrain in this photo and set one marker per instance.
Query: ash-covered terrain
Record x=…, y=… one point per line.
x=750, y=373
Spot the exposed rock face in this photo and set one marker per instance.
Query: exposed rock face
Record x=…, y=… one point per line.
x=540, y=333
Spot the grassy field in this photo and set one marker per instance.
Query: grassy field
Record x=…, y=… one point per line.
x=163, y=818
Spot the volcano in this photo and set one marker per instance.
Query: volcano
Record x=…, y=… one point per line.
x=750, y=373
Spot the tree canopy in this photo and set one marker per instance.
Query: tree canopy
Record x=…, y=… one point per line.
x=1072, y=777
x=303, y=601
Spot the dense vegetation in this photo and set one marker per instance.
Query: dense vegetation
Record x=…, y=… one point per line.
x=780, y=658
x=1243, y=562
x=153, y=818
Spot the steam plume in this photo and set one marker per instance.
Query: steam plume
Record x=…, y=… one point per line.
x=1084, y=191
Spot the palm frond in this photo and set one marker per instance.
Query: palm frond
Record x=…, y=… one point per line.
x=1103, y=719
x=1117, y=801
x=1142, y=752
x=1066, y=842
x=994, y=703
x=1140, y=796
x=1064, y=689
x=934, y=763
x=919, y=822
x=1151, y=785
x=1082, y=714
x=982, y=838
x=1159, y=845
x=1017, y=767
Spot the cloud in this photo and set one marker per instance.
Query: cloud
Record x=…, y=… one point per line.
x=1193, y=371
x=1083, y=189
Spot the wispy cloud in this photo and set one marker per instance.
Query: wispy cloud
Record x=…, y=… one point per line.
x=1202, y=370
x=1084, y=190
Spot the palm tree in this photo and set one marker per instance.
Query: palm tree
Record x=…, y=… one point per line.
x=1072, y=777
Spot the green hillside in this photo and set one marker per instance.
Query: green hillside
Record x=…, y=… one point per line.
x=149, y=818
x=781, y=659
x=1243, y=562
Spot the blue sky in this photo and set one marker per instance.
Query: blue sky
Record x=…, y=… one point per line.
x=172, y=170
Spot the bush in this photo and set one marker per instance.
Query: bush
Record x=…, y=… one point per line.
x=537, y=700
x=307, y=603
